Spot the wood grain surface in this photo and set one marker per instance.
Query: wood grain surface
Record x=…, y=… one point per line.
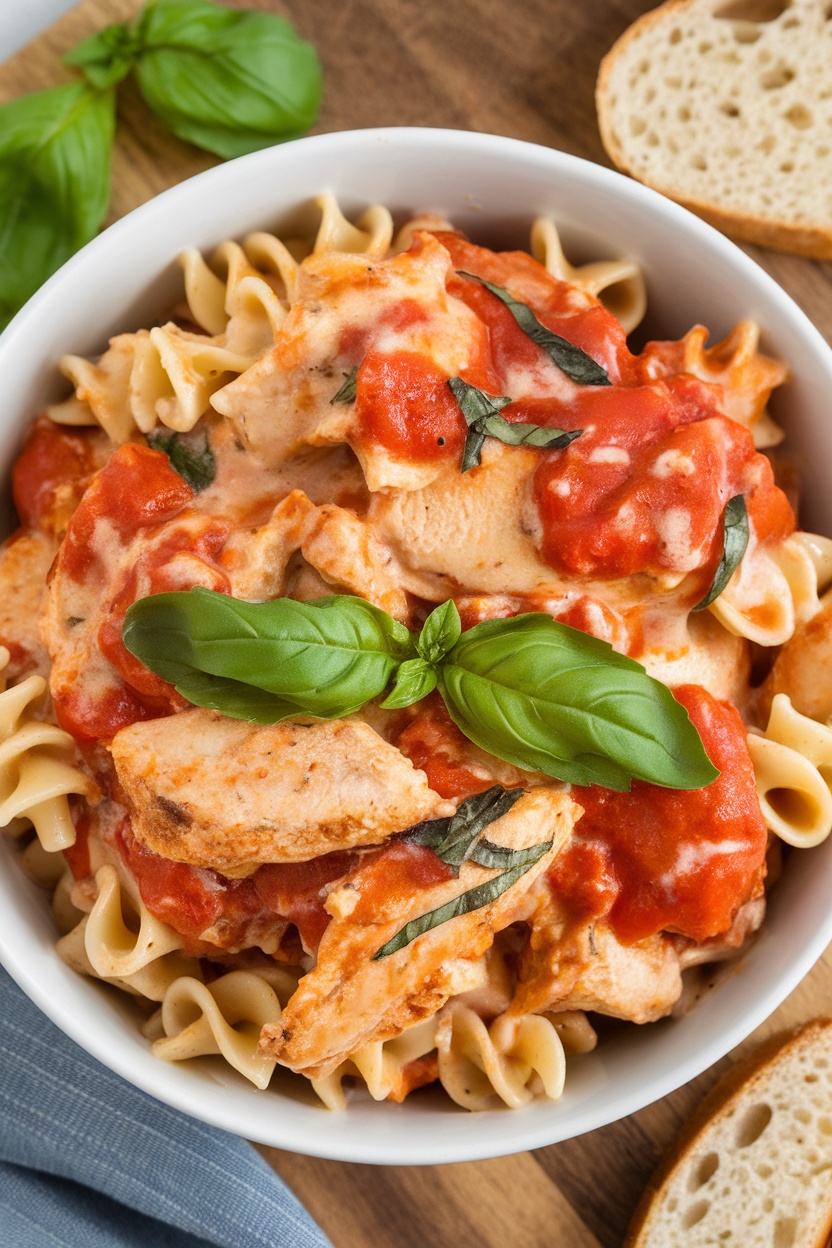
x=525, y=70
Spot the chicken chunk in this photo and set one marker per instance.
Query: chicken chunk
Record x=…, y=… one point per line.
x=490, y=516
x=24, y=564
x=343, y=549
x=215, y=792
x=583, y=966
x=804, y=667
x=349, y=999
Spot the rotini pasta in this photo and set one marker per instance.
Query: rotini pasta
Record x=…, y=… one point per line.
x=253, y=884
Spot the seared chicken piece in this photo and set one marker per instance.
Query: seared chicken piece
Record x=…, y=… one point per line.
x=349, y=1000
x=491, y=518
x=583, y=966
x=344, y=307
x=215, y=792
x=803, y=669
x=336, y=543
x=25, y=561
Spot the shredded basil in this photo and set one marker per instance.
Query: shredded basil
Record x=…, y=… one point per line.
x=734, y=545
x=347, y=392
x=473, y=899
x=577, y=365
x=190, y=455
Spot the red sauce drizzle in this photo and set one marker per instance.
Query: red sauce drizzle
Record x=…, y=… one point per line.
x=433, y=743
x=194, y=899
x=52, y=457
x=660, y=859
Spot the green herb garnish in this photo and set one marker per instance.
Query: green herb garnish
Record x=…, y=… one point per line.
x=537, y=693
x=455, y=839
x=577, y=365
x=735, y=542
x=54, y=183
x=482, y=415
x=225, y=80
x=347, y=392
x=473, y=899
x=228, y=81
x=190, y=455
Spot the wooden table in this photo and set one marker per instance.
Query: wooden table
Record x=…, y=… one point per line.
x=525, y=70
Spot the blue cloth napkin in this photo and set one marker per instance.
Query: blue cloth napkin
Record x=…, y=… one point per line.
x=87, y=1161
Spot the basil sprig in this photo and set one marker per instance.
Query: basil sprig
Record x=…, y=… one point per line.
x=482, y=415
x=473, y=899
x=190, y=455
x=54, y=183
x=532, y=691
x=325, y=658
x=228, y=81
x=577, y=365
x=734, y=545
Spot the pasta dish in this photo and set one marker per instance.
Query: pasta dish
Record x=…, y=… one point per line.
x=399, y=672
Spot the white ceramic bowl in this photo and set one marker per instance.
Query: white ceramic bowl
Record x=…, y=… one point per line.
x=492, y=188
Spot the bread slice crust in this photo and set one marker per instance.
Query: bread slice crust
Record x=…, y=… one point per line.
x=767, y=229
x=729, y=1109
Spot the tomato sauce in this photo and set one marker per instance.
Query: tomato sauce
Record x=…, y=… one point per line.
x=136, y=489
x=434, y=744
x=388, y=881
x=194, y=899
x=658, y=859
x=626, y=497
x=53, y=460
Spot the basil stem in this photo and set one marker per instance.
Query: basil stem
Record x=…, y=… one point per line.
x=473, y=899
x=734, y=545
x=54, y=183
x=347, y=392
x=190, y=455
x=577, y=365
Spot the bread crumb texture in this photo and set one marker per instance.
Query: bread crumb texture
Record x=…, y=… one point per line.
x=758, y=1173
x=726, y=105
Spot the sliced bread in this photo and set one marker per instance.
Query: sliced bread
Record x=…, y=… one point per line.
x=726, y=106
x=753, y=1168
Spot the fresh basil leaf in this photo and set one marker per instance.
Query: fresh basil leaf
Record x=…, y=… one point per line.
x=107, y=56
x=471, y=818
x=228, y=81
x=734, y=544
x=472, y=450
x=486, y=854
x=326, y=658
x=414, y=680
x=190, y=455
x=231, y=697
x=475, y=403
x=473, y=899
x=54, y=183
x=347, y=392
x=547, y=697
x=577, y=365
x=440, y=631
x=522, y=434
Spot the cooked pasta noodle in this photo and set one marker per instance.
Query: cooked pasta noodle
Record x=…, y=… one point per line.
x=507, y=1059
x=793, y=767
x=224, y=1017
x=618, y=283
x=36, y=774
x=381, y=1065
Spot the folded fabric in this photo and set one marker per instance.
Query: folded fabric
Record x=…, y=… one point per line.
x=87, y=1161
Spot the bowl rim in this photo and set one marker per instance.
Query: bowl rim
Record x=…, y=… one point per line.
x=521, y=1131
